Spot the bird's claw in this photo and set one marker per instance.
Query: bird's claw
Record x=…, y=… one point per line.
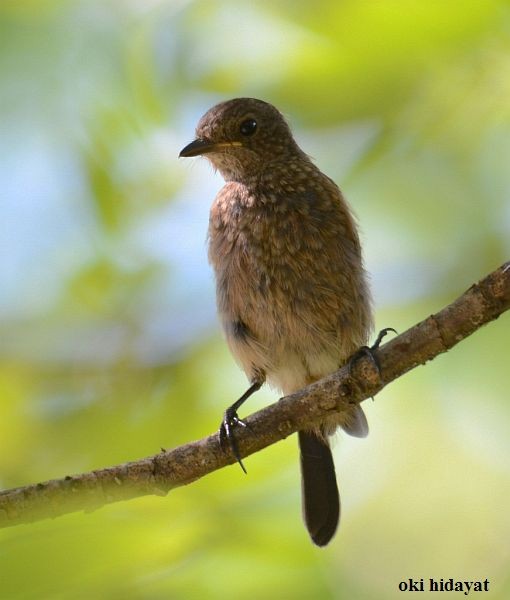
x=381, y=335
x=370, y=351
x=231, y=420
x=226, y=434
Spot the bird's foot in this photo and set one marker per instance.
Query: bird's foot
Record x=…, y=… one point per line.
x=226, y=433
x=380, y=336
x=370, y=351
x=231, y=420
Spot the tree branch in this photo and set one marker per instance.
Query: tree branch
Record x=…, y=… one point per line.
x=481, y=303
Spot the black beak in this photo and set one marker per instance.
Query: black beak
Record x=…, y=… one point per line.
x=196, y=148
x=200, y=146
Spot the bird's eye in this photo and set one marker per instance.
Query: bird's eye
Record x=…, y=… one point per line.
x=248, y=127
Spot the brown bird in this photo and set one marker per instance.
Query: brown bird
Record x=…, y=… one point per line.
x=292, y=293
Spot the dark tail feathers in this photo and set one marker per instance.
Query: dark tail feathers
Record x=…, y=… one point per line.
x=321, y=502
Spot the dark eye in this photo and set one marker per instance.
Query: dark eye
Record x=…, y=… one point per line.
x=248, y=127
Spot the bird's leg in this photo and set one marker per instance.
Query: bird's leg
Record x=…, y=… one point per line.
x=370, y=351
x=230, y=420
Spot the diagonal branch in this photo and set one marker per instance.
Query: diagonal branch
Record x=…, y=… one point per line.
x=481, y=303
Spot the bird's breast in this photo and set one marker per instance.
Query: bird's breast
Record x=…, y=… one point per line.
x=288, y=278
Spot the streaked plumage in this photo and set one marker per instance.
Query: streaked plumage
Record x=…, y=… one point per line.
x=292, y=293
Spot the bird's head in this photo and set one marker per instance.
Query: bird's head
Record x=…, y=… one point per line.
x=241, y=137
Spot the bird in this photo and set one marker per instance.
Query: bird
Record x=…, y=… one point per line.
x=291, y=288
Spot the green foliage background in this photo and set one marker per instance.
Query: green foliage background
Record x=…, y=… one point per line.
x=109, y=346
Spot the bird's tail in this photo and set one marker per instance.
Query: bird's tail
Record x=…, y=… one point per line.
x=321, y=502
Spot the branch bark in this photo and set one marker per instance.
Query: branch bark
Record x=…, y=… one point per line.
x=480, y=304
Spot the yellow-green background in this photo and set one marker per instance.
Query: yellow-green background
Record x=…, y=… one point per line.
x=109, y=345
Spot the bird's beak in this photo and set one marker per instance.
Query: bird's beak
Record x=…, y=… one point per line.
x=199, y=146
